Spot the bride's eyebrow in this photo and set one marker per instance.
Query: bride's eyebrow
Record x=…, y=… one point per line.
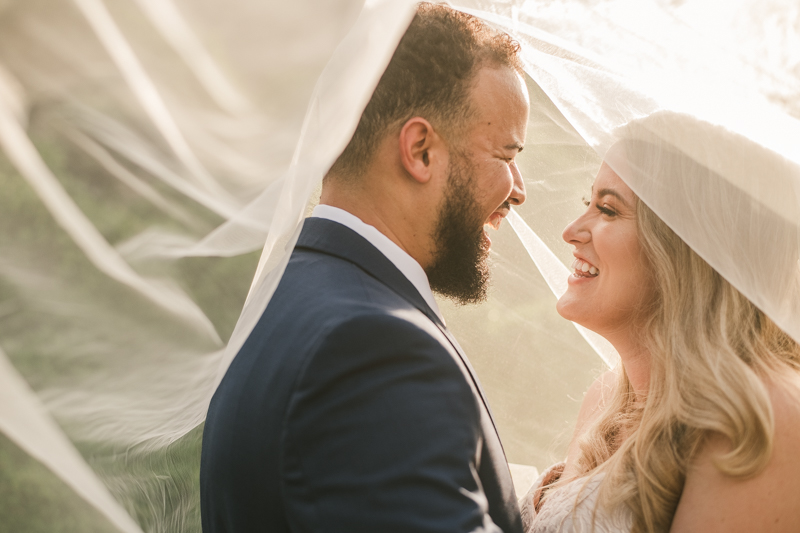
x=612, y=192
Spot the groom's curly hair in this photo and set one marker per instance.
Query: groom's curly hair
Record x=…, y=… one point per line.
x=429, y=75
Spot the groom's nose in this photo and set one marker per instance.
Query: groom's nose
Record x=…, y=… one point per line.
x=517, y=195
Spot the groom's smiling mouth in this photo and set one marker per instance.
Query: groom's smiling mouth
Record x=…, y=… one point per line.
x=497, y=217
x=494, y=220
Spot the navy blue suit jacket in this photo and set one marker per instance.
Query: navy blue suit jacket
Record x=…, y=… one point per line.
x=351, y=408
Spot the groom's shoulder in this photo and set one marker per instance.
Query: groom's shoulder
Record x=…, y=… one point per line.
x=383, y=331
x=324, y=302
x=317, y=285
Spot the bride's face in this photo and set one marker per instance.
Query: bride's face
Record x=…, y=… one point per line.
x=611, y=282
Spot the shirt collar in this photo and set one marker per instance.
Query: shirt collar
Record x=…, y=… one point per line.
x=404, y=262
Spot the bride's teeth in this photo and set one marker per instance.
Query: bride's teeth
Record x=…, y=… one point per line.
x=581, y=266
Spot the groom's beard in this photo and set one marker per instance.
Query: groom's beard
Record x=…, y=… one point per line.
x=460, y=269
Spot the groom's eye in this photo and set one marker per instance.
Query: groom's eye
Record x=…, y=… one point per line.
x=585, y=202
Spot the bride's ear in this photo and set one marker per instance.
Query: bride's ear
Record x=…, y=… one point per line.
x=422, y=151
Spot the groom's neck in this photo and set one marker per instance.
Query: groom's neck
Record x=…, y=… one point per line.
x=391, y=210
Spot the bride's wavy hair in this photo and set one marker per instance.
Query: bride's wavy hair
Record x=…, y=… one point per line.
x=712, y=350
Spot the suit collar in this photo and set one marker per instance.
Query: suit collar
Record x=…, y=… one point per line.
x=406, y=264
x=338, y=240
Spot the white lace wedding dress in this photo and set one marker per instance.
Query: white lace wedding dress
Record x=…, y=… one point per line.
x=571, y=508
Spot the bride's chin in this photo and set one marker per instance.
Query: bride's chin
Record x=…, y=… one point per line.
x=570, y=309
x=563, y=307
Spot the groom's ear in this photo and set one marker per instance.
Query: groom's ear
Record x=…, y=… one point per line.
x=423, y=152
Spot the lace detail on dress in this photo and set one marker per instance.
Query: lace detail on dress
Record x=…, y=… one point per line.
x=570, y=508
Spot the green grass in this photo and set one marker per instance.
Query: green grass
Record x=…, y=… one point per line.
x=34, y=500
x=64, y=323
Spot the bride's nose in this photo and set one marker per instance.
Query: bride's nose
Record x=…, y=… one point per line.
x=576, y=232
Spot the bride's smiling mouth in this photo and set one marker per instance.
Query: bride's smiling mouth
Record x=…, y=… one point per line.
x=583, y=269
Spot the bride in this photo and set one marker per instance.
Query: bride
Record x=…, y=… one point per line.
x=697, y=429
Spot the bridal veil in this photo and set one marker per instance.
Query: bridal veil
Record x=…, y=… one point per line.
x=158, y=158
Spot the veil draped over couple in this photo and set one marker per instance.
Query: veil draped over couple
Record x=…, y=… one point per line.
x=399, y=344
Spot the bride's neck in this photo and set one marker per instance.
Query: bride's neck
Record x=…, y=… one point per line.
x=636, y=360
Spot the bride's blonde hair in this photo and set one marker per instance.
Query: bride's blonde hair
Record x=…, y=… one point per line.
x=711, y=352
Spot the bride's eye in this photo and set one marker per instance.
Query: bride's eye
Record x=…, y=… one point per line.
x=606, y=211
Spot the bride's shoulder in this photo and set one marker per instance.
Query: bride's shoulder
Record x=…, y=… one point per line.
x=713, y=501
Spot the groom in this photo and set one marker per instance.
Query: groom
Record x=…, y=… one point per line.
x=351, y=408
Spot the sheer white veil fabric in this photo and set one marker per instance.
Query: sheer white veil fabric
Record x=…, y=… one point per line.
x=160, y=156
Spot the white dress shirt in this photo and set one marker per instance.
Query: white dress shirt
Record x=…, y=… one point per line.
x=404, y=262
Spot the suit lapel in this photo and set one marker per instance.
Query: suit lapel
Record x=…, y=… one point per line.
x=468, y=365
x=335, y=239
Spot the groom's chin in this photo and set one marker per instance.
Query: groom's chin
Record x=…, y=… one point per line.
x=464, y=297
x=465, y=283
x=486, y=241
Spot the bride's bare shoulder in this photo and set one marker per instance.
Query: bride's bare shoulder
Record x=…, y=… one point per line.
x=712, y=501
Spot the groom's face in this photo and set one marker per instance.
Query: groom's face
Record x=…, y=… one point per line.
x=483, y=182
